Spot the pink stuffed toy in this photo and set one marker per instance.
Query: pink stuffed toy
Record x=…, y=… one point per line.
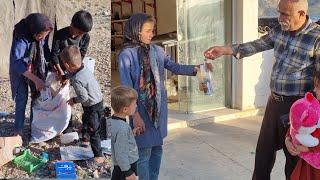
x=304, y=117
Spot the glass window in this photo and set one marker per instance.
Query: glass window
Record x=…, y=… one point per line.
x=201, y=24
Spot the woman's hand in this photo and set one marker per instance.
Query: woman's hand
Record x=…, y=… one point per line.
x=138, y=123
x=136, y=131
x=39, y=83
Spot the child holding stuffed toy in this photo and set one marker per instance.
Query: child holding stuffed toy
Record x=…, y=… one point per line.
x=304, y=135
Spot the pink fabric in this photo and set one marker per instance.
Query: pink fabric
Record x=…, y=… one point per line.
x=305, y=112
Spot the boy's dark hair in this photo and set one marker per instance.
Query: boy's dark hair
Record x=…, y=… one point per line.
x=82, y=20
x=316, y=79
x=122, y=96
x=71, y=55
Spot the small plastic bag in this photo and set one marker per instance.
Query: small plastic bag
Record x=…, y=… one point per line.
x=205, y=80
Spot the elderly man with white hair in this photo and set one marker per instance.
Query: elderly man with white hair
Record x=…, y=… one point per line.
x=296, y=43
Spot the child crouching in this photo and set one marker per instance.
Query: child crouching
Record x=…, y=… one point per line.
x=88, y=94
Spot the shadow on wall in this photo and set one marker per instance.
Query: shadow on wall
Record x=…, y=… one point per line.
x=262, y=88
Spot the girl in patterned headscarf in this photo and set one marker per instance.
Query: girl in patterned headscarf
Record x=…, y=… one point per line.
x=29, y=52
x=142, y=66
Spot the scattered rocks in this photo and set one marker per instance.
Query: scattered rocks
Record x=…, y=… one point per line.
x=96, y=174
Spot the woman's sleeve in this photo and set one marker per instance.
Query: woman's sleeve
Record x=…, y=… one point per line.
x=18, y=51
x=177, y=68
x=124, y=69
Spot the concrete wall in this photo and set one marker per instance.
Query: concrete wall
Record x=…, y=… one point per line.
x=166, y=16
x=262, y=86
x=252, y=74
x=166, y=13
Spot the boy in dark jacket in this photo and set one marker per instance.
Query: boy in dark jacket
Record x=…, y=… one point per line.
x=75, y=34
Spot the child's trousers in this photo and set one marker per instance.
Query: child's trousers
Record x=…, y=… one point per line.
x=91, y=125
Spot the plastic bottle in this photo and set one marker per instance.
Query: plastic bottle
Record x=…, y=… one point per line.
x=45, y=156
x=69, y=137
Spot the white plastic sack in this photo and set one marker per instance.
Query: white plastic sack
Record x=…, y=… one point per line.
x=89, y=62
x=51, y=117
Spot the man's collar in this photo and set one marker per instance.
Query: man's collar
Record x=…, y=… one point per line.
x=303, y=28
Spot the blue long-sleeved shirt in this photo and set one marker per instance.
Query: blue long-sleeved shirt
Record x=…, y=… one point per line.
x=19, y=57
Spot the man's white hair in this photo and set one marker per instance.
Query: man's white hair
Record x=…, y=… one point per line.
x=298, y=4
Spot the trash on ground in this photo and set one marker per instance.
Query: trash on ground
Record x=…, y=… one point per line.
x=95, y=174
x=73, y=153
x=4, y=114
x=69, y=137
x=7, y=147
x=65, y=170
x=28, y=162
x=106, y=146
x=45, y=156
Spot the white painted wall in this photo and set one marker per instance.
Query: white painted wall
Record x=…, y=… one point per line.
x=252, y=74
x=262, y=89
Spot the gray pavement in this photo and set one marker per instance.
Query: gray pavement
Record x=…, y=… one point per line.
x=215, y=151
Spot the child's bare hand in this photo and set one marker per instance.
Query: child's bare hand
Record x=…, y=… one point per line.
x=136, y=131
x=302, y=148
x=132, y=177
x=71, y=102
x=64, y=82
x=291, y=147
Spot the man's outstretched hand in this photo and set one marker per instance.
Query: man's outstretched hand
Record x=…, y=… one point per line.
x=217, y=51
